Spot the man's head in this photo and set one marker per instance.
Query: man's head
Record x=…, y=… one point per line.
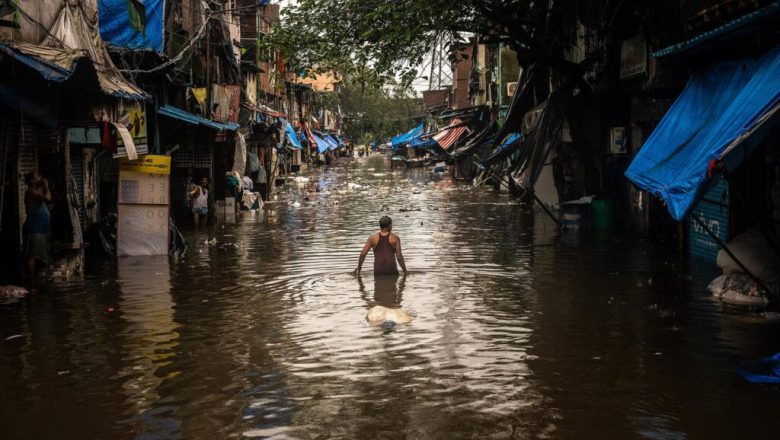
x=204, y=182
x=386, y=223
x=32, y=178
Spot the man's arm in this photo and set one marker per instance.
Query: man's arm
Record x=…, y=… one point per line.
x=363, y=253
x=43, y=194
x=399, y=255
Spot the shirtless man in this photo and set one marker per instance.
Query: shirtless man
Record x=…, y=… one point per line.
x=387, y=248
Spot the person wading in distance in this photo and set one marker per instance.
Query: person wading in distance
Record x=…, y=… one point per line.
x=387, y=248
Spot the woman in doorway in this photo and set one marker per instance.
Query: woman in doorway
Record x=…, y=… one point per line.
x=37, y=224
x=200, y=202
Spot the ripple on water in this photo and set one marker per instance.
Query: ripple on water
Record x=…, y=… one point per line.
x=260, y=331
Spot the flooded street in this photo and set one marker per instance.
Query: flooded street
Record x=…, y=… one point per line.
x=520, y=331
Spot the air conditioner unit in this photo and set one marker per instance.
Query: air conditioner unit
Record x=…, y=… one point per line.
x=511, y=88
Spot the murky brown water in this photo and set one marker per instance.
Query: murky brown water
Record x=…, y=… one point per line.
x=520, y=332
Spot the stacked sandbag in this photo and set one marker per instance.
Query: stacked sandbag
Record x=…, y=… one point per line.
x=755, y=253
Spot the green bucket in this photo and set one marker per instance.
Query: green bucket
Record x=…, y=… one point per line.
x=603, y=213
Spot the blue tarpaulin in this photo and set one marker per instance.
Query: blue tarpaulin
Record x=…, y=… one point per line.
x=177, y=113
x=406, y=137
x=717, y=111
x=133, y=24
x=334, y=144
x=509, y=146
x=419, y=142
x=291, y=136
x=48, y=69
x=322, y=145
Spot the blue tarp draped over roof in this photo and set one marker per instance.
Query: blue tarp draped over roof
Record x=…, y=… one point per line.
x=51, y=70
x=419, y=142
x=322, y=145
x=406, y=137
x=710, y=35
x=334, y=144
x=177, y=113
x=720, y=107
x=132, y=24
x=509, y=146
x=291, y=136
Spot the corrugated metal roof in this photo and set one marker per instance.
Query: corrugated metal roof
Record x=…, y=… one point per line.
x=735, y=24
x=177, y=113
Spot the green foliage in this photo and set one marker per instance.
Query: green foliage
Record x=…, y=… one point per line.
x=372, y=114
x=390, y=36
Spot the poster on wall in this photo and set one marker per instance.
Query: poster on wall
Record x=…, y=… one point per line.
x=134, y=119
x=618, y=140
x=134, y=24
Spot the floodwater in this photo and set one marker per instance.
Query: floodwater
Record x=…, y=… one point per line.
x=520, y=331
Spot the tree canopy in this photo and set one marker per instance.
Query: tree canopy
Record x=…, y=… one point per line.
x=370, y=113
x=393, y=37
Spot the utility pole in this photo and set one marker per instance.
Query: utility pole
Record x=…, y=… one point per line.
x=433, y=63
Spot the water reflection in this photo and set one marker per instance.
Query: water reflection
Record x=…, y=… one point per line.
x=149, y=338
x=260, y=330
x=388, y=291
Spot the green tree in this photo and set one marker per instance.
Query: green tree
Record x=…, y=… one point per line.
x=393, y=37
x=374, y=112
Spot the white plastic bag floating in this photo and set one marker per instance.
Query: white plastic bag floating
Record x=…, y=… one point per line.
x=379, y=314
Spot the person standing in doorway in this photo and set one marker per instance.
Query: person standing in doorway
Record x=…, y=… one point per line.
x=200, y=202
x=37, y=224
x=262, y=182
x=387, y=248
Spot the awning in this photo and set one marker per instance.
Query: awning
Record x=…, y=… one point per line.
x=73, y=27
x=485, y=136
x=334, y=144
x=509, y=146
x=447, y=137
x=406, y=137
x=732, y=26
x=190, y=118
x=53, y=64
x=422, y=141
x=322, y=145
x=720, y=108
x=291, y=136
x=461, y=111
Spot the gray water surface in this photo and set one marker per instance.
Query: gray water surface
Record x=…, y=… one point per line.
x=520, y=331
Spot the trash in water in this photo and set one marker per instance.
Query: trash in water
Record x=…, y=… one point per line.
x=438, y=235
x=13, y=292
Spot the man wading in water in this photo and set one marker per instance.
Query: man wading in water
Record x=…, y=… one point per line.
x=387, y=247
